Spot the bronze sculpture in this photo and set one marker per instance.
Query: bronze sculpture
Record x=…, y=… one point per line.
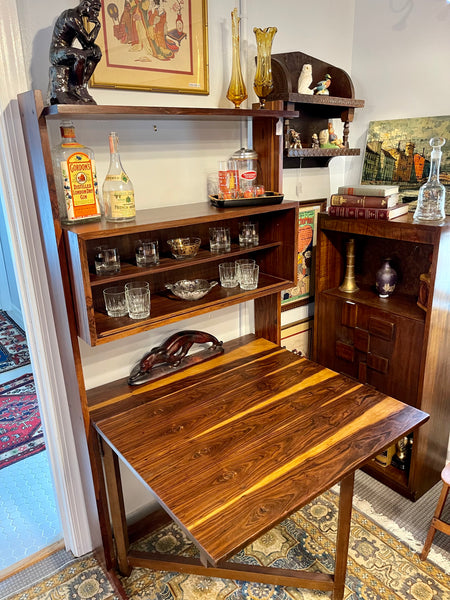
x=72, y=67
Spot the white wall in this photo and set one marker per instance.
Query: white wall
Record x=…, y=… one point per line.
x=400, y=63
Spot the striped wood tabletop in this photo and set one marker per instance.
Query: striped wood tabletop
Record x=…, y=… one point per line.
x=230, y=452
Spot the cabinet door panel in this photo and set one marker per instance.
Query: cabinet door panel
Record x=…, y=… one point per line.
x=381, y=349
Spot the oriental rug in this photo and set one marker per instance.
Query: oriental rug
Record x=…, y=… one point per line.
x=13, y=344
x=380, y=566
x=21, y=432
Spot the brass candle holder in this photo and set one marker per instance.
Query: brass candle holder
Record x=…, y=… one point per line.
x=349, y=283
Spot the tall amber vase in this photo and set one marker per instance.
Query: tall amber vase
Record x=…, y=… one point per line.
x=263, y=83
x=237, y=91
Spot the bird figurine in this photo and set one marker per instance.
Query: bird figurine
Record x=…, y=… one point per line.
x=305, y=80
x=322, y=86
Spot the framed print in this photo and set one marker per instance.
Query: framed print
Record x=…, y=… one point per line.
x=153, y=45
x=297, y=337
x=398, y=152
x=307, y=224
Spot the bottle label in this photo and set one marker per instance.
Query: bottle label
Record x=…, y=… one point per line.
x=121, y=204
x=119, y=177
x=80, y=186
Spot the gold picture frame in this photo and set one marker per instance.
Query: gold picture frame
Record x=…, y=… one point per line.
x=153, y=45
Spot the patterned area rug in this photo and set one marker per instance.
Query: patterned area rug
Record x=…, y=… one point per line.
x=380, y=567
x=13, y=344
x=21, y=432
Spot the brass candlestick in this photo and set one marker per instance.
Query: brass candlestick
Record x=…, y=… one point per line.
x=349, y=283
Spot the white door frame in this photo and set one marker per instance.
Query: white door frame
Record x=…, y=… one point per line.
x=50, y=349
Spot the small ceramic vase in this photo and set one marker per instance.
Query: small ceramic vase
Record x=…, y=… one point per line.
x=386, y=279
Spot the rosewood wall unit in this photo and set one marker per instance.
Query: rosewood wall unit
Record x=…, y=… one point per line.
x=69, y=251
x=390, y=343
x=314, y=110
x=74, y=248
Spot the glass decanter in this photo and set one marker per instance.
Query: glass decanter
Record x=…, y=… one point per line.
x=237, y=91
x=431, y=201
x=263, y=83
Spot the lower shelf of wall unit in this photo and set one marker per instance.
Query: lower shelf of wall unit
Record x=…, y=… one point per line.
x=167, y=308
x=390, y=476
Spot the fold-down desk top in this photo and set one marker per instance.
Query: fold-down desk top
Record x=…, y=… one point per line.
x=234, y=445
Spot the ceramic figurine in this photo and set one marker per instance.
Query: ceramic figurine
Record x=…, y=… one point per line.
x=322, y=86
x=294, y=139
x=72, y=67
x=324, y=139
x=332, y=137
x=305, y=80
x=315, y=141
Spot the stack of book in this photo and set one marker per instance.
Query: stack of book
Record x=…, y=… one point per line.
x=367, y=202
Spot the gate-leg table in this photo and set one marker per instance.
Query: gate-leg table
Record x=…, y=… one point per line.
x=233, y=446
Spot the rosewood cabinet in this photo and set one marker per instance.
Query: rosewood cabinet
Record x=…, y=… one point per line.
x=390, y=343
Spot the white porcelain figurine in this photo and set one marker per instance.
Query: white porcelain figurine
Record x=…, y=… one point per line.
x=305, y=80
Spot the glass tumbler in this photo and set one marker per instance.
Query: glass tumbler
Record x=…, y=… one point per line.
x=138, y=299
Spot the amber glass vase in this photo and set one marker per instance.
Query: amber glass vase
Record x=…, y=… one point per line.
x=263, y=83
x=237, y=91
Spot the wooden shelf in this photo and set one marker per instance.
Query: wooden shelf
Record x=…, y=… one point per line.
x=96, y=112
x=167, y=308
x=399, y=304
x=321, y=100
x=131, y=271
x=395, y=478
x=402, y=228
x=322, y=152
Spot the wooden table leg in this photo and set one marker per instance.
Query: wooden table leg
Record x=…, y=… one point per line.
x=343, y=535
x=116, y=506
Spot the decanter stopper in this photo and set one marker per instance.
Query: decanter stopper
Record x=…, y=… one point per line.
x=431, y=201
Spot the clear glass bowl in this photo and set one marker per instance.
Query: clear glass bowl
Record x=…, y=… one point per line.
x=184, y=247
x=191, y=289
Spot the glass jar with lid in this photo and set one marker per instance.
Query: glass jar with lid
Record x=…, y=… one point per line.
x=247, y=160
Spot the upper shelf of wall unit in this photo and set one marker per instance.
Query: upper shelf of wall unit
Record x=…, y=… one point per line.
x=97, y=112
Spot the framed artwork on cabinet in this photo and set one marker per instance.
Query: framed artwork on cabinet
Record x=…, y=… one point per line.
x=307, y=234
x=398, y=152
x=297, y=337
x=153, y=45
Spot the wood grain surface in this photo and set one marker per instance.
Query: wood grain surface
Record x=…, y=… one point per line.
x=233, y=454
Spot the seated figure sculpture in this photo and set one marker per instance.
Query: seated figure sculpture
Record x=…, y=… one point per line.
x=72, y=67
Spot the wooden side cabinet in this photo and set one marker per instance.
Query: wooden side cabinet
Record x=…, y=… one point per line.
x=391, y=343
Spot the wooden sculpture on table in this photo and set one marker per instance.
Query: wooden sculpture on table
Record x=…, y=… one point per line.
x=172, y=356
x=72, y=67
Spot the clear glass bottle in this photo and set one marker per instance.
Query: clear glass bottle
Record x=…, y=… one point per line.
x=75, y=179
x=431, y=201
x=117, y=191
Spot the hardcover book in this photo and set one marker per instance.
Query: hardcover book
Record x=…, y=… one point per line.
x=368, y=190
x=355, y=212
x=364, y=201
